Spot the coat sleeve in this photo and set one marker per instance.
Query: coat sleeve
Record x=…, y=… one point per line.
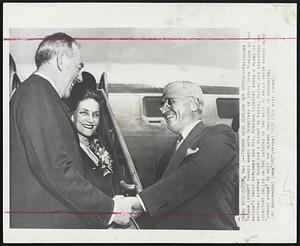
x=51, y=163
x=216, y=151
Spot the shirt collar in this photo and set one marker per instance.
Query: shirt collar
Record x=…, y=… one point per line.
x=187, y=129
x=89, y=152
x=47, y=78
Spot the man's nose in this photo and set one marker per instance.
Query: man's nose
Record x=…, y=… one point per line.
x=163, y=108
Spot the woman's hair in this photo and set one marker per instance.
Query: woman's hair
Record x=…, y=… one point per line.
x=81, y=93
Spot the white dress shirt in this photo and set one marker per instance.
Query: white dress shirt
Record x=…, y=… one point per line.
x=186, y=131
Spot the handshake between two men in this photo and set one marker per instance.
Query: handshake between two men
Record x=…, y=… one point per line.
x=197, y=175
x=125, y=208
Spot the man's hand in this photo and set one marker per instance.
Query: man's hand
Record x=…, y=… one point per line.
x=122, y=211
x=126, y=207
x=136, y=208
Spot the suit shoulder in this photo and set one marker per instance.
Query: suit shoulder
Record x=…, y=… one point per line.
x=33, y=88
x=220, y=131
x=220, y=128
x=35, y=82
x=220, y=134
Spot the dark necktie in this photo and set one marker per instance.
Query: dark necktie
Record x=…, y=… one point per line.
x=178, y=141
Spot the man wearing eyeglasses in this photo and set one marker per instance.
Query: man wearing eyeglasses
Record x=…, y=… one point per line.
x=198, y=175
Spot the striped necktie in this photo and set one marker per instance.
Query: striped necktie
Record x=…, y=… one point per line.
x=179, y=141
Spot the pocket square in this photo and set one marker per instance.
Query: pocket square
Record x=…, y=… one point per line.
x=190, y=151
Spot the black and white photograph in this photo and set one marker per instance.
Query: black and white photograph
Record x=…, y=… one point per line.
x=169, y=147
x=122, y=130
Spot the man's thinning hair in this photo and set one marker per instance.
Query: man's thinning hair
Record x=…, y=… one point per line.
x=185, y=88
x=53, y=45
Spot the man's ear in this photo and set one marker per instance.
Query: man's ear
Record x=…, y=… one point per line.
x=60, y=61
x=195, y=104
x=72, y=118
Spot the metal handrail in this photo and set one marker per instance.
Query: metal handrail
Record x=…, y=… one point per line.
x=128, y=160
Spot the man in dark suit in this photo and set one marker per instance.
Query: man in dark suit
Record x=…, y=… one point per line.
x=47, y=186
x=198, y=175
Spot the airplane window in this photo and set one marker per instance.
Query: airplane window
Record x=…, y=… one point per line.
x=227, y=108
x=151, y=106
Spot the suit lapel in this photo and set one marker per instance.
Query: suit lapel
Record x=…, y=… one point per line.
x=190, y=141
x=66, y=111
x=62, y=104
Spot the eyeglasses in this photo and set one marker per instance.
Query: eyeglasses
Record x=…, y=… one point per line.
x=170, y=101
